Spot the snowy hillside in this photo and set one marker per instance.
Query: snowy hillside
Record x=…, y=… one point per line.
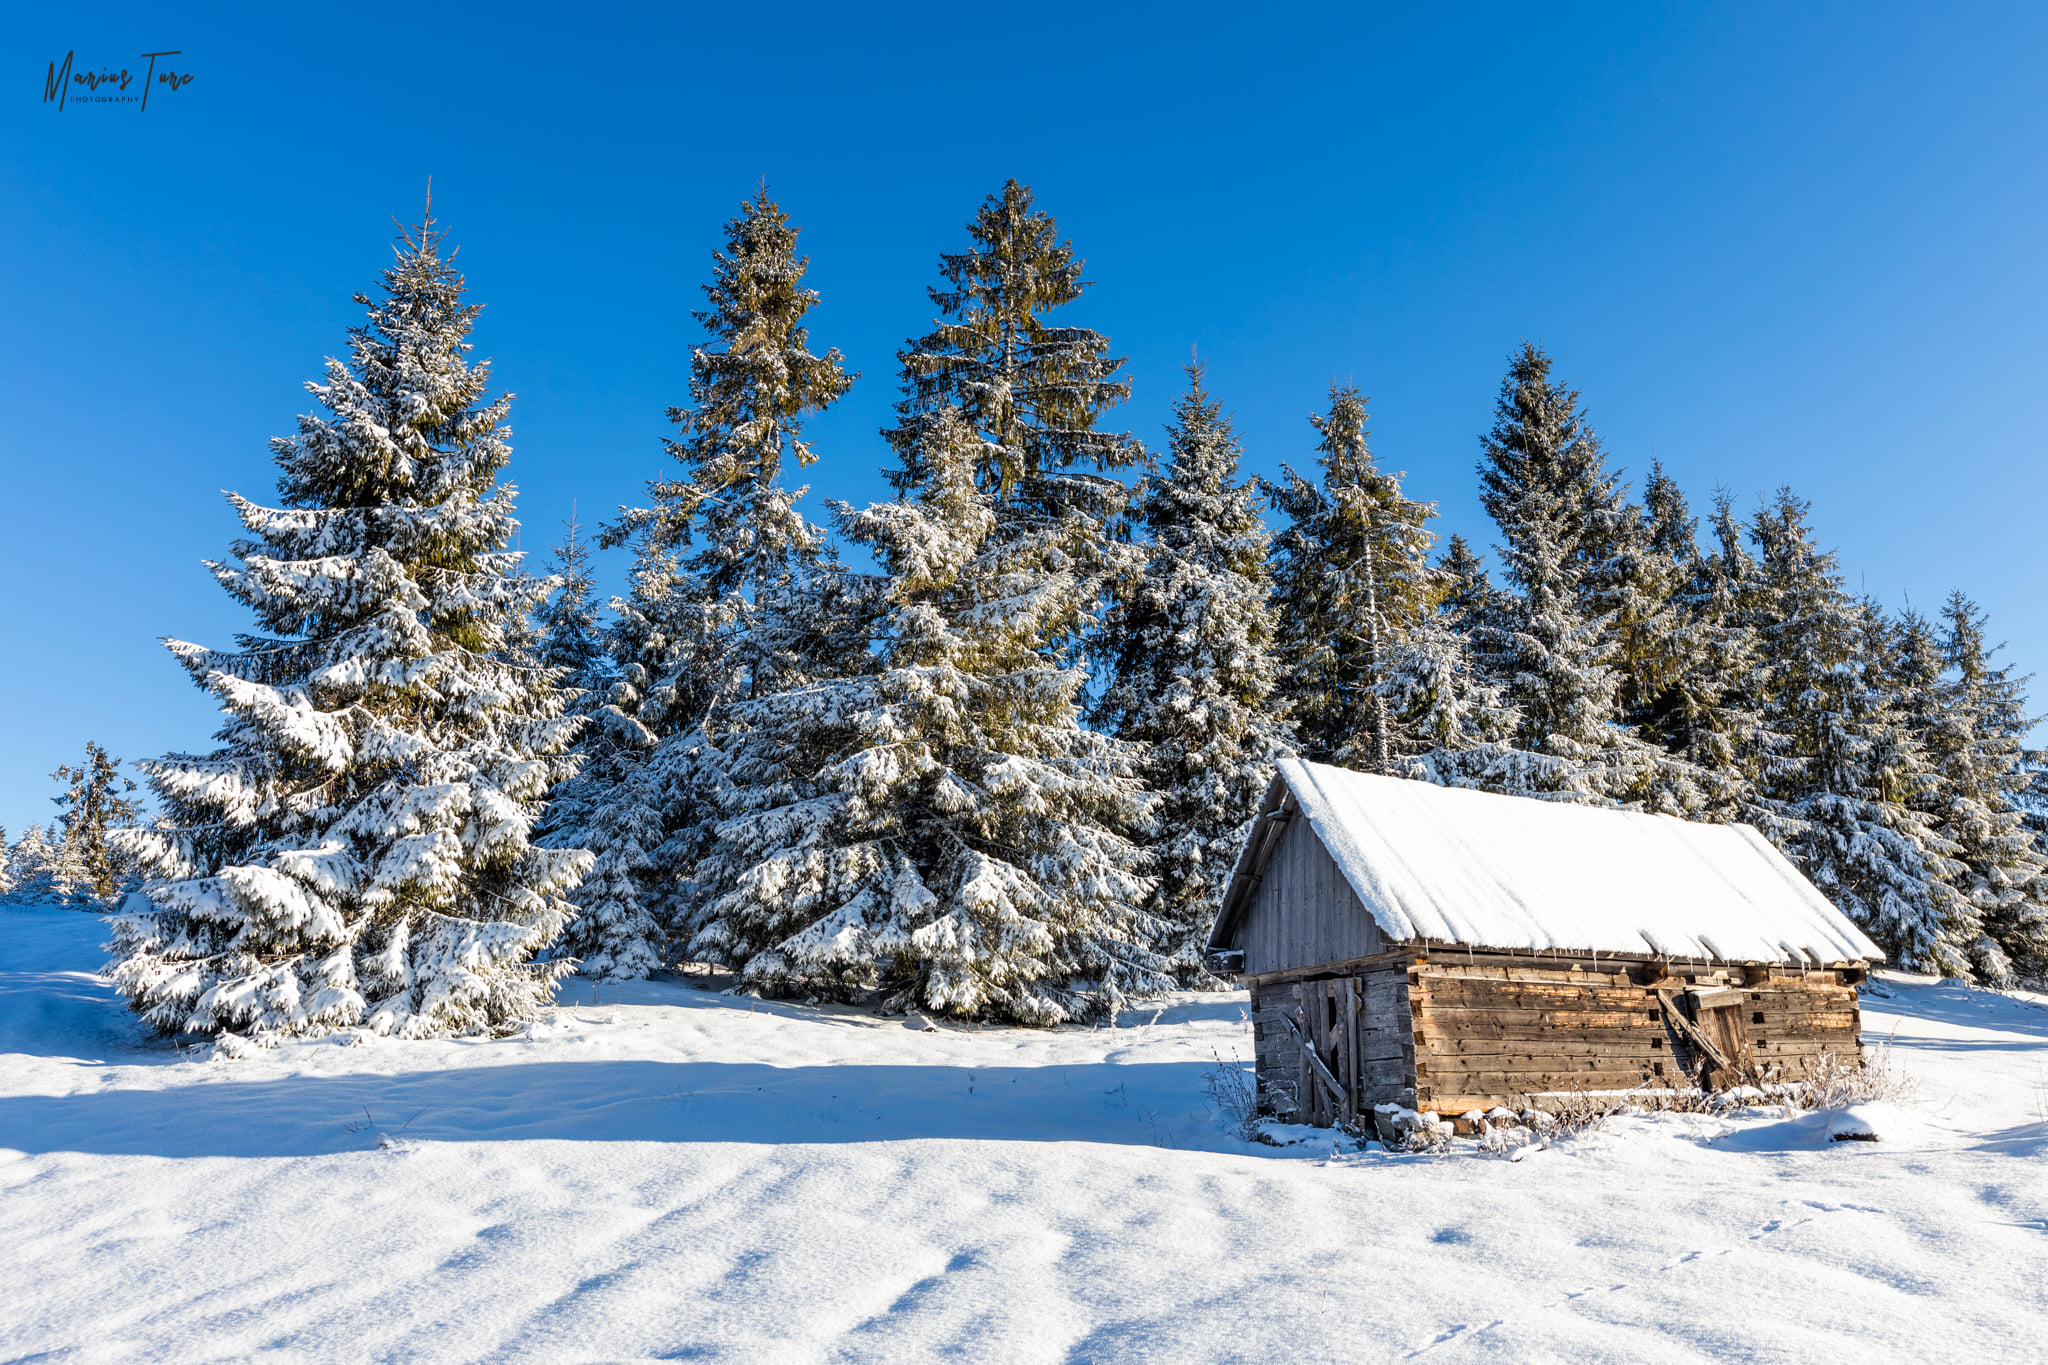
x=671, y=1173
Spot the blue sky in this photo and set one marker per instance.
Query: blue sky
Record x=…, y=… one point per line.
x=1770, y=243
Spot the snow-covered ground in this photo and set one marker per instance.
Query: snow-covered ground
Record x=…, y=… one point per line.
x=675, y=1174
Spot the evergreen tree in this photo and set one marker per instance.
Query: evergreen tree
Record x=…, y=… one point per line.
x=94, y=804
x=357, y=850
x=1709, y=716
x=1034, y=390
x=1352, y=581
x=1974, y=748
x=36, y=873
x=1190, y=648
x=1648, y=558
x=1469, y=601
x=1543, y=466
x=752, y=388
x=731, y=585
x=944, y=829
x=1839, y=762
x=608, y=808
x=572, y=639
x=1576, y=556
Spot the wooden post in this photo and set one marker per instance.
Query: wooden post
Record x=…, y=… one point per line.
x=1354, y=1067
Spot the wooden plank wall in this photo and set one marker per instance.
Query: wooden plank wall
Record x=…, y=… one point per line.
x=1304, y=914
x=1497, y=1034
x=1491, y=1030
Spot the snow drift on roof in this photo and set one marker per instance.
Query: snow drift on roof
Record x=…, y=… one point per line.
x=1461, y=866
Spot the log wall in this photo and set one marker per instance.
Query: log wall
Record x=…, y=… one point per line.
x=1450, y=1031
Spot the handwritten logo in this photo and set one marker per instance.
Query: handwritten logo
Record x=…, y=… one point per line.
x=58, y=86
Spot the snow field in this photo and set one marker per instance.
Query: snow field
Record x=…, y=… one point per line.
x=676, y=1174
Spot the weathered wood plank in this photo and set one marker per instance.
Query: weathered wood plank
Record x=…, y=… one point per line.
x=1444, y=1020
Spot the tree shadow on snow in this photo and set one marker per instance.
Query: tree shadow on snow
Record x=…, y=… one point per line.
x=1966, y=1006
x=1155, y=1104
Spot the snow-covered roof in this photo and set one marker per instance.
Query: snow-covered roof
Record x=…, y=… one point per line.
x=1452, y=865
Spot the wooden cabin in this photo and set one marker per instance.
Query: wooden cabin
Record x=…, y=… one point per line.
x=1447, y=950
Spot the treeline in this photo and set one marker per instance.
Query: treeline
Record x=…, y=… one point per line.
x=1006, y=772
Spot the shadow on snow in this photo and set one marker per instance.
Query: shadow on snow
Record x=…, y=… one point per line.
x=627, y=1101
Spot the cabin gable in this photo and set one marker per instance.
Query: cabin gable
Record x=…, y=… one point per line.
x=1303, y=913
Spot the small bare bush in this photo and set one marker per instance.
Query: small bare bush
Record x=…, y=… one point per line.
x=1832, y=1083
x=1234, y=1094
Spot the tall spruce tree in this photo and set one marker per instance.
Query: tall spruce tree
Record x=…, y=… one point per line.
x=1034, y=389
x=730, y=578
x=752, y=386
x=944, y=829
x=356, y=851
x=1351, y=582
x=1190, y=641
x=1837, y=760
x=1577, y=558
x=94, y=805
x=1974, y=748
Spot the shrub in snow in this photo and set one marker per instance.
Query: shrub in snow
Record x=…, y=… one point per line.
x=356, y=852
x=1233, y=1089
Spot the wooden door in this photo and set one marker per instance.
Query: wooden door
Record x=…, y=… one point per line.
x=1326, y=1027
x=1710, y=1020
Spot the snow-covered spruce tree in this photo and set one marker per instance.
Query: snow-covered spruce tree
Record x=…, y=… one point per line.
x=1836, y=758
x=1973, y=747
x=1708, y=714
x=1469, y=600
x=1650, y=552
x=1352, y=579
x=96, y=803
x=6, y=864
x=37, y=872
x=947, y=830
x=1035, y=390
x=1189, y=643
x=356, y=852
x=736, y=595
x=1564, y=525
x=751, y=386
x=1449, y=686
x=572, y=637
x=606, y=808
